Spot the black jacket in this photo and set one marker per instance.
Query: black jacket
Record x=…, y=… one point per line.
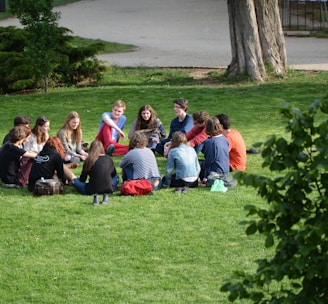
x=46, y=164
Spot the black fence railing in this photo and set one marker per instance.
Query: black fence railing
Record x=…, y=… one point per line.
x=304, y=14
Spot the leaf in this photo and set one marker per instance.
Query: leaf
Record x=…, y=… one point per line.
x=269, y=242
x=251, y=229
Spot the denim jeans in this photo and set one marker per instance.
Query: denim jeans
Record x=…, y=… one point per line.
x=80, y=186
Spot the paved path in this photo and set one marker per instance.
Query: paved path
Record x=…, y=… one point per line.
x=172, y=33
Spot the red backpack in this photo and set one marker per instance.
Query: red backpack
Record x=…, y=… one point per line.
x=136, y=187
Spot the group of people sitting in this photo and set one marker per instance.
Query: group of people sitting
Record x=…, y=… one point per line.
x=30, y=154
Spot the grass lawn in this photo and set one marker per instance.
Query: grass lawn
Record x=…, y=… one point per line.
x=164, y=248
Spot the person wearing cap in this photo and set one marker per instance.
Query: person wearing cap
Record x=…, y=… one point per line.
x=183, y=122
x=18, y=121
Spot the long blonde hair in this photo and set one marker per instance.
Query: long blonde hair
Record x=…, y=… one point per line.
x=68, y=131
x=96, y=149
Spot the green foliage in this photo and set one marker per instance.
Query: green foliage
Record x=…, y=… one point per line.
x=49, y=50
x=295, y=222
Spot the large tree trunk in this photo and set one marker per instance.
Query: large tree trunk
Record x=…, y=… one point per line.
x=257, y=39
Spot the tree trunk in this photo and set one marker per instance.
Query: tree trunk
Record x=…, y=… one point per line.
x=257, y=39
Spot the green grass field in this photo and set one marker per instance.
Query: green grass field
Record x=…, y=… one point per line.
x=164, y=248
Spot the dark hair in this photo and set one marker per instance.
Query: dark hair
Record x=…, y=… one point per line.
x=182, y=102
x=17, y=133
x=177, y=139
x=224, y=121
x=213, y=127
x=40, y=137
x=138, y=140
x=200, y=116
x=141, y=123
x=21, y=120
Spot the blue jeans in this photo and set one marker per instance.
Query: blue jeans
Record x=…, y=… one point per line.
x=80, y=186
x=128, y=175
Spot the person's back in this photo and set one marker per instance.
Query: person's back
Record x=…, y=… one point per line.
x=185, y=161
x=143, y=163
x=237, y=146
x=10, y=157
x=100, y=176
x=46, y=164
x=237, y=150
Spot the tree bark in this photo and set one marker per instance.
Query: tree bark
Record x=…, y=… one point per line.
x=257, y=39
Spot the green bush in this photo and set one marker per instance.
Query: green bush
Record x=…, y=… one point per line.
x=295, y=221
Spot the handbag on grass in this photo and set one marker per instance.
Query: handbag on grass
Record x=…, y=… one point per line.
x=48, y=187
x=136, y=187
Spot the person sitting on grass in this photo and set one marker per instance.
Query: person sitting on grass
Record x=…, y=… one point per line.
x=182, y=122
x=140, y=162
x=101, y=171
x=237, y=146
x=10, y=156
x=71, y=137
x=183, y=160
x=148, y=123
x=216, y=155
x=18, y=121
x=49, y=164
x=111, y=129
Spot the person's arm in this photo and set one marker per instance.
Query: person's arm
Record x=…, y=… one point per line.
x=63, y=139
x=187, y=124
x=30, y=154
x=197, y=139
x=125, y=161
x=132, y=129
x=161, y=128
x=108, y=121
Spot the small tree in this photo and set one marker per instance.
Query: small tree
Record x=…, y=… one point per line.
x=45, y=35
x=296, y=220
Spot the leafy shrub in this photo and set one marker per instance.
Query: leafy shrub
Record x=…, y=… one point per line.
x=295, y=224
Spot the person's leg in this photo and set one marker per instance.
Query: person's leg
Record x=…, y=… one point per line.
x=105, y=200
x=25, y=167
x=160, y=148
x=120, y=149
x=78, y=185
x=105, y=136
x=127, y=172
x=192, y=184
x=115, y=180
x=69, y=175
x=156, y=183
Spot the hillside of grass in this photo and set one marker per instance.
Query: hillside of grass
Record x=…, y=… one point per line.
x=163, y=248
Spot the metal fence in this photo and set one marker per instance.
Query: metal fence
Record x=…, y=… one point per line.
x=304, y=14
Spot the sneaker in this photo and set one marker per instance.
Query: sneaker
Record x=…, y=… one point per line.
x=178, y=190
x=110, y=150
x=253, y=151
x=184, y=189
x=105, y=202
x=11, y=186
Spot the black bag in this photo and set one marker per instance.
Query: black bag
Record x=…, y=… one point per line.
x=48, y=187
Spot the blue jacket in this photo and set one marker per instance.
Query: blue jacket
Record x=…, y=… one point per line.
x=184, y=161
x=216, y=154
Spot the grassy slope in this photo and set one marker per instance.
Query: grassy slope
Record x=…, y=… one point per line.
x=164, y=248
